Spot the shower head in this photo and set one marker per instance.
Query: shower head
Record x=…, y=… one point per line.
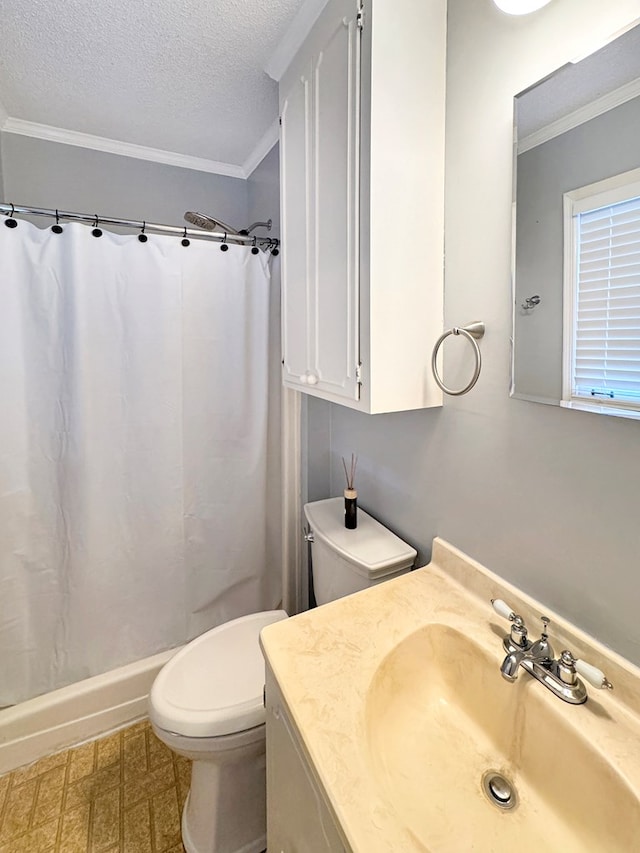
x=207, y=223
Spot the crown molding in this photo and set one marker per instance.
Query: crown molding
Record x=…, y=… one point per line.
x=266, y=143
x=291, y=42
x=114, y=146
x=596, y=108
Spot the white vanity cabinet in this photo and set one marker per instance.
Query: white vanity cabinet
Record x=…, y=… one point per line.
x=299, y=819
x=362, y=187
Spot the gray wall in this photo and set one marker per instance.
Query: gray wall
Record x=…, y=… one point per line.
x=546, y=497
x=598, y=149
x=38, y=173
x=263, y=191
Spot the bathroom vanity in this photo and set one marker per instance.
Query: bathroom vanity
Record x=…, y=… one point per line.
x=390, y=727
x=299, y=815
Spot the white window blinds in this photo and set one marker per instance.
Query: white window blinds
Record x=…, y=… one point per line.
x=604, y=366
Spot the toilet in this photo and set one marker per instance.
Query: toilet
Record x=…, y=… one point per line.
x=346, y=561
x=207, y=702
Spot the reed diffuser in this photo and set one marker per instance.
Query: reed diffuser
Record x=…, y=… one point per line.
x=350, y=495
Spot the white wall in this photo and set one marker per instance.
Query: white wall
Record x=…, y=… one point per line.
x=546, y=497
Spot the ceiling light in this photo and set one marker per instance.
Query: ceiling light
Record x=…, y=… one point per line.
x=520, y=7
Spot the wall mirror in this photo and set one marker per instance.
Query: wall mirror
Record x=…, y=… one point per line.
x=576, y=324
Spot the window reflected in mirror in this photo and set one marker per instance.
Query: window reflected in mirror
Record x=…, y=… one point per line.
x=577, y=234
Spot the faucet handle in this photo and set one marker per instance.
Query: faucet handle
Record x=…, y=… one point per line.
x=593, y=675
x=518, y=633
x=588, y=671
x=503, y=609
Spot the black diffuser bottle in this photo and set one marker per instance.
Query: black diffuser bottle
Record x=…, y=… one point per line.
x=350, y=495
x=350, y=509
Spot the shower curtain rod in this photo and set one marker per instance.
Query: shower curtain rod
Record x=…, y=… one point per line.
x=267, y=243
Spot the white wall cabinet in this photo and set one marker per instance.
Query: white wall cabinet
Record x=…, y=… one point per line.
x=362, y=182
x=299, y=819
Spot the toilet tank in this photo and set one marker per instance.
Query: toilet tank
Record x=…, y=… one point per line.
x=345, y=561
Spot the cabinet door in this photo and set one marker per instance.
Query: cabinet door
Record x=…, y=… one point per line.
x=298, y=819
x=320, y=188
x=295, y=186
x=336, y=103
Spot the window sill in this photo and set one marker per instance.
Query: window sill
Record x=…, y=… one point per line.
x=601, y=409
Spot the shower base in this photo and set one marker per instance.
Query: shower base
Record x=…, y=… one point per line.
x=76, y=713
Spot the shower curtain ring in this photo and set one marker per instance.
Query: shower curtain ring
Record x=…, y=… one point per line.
x=254, y=249
x=275, y=251
x=57, y=228
x=224, y=247
x=97, y=232
x=142, y=236
x=185, y=242
x=11, y=222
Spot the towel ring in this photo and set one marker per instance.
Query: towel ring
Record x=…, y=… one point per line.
x=472, y=332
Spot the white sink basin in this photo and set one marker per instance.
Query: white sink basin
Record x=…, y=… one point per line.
x=439, y=716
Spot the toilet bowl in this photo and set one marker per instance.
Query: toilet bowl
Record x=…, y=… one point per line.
x=207, y=704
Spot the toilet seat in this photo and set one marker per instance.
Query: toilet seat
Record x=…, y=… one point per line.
x=214, y=686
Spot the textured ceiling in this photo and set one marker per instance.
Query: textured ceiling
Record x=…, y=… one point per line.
x=184, y=76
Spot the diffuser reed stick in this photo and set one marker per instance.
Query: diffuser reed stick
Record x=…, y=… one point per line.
x=350, y=494
x=351, y=473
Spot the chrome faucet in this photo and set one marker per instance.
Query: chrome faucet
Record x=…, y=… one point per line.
x=540, y=651
x=538, y=659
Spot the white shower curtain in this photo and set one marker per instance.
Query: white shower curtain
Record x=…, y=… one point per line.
x=133, y=449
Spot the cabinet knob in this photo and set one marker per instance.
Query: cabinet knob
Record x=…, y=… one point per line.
x=312, y=379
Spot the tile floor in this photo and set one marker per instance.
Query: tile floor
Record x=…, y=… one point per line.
x=121, y=794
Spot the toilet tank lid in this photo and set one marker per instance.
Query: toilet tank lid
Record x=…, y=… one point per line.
x=371, y=547
x=214, y=685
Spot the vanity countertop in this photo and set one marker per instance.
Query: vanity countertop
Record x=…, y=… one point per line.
x=326, y=661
